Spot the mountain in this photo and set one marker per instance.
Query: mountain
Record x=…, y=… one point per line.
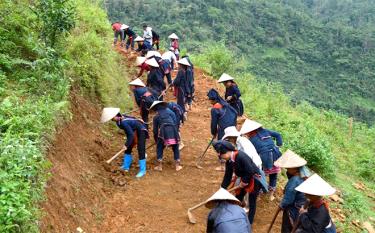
x=321, y=51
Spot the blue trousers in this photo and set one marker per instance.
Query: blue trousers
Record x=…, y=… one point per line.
x=160, y=149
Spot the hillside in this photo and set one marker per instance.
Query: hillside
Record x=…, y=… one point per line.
x=321, y=51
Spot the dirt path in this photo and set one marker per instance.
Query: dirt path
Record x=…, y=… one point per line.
x=84, y=192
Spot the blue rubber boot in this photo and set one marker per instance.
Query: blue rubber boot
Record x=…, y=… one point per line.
x=142, y=168
x=128, y=159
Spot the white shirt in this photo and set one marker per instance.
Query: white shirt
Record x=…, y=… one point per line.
x=170, y=56
x=244, y=144
x=147, y=35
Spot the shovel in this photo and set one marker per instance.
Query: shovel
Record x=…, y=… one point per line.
x=199, y=160
x=274, y=219
x=191, y=217
x=115, y=156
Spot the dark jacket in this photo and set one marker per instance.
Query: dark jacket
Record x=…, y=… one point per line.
x=227, y=218
x=235, y=102
x=178, y=111
x=243, y=167
x=130, y=33
x=165, y=124
x=144, y=95
x=182, y=83
x=130, y=126
x=155, y=80
x=222, y=117
x=315, y=221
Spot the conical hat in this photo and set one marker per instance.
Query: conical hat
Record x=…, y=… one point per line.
x=225, y=77
x=124, y=26
x=137, y=82
x=138, y=38
x=140, y=60
x=222, y=194
x=108, y=114
x=249, y=126
x=173, y=36
x=156, y=102
x=315, y=185
x=231, y=131
x=183, y=61
x=290, y=160
x=152, y=62
x=153, y=53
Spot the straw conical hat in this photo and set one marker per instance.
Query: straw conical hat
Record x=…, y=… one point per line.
x=124, y=26
x=222, y=194
x=289, y=160
x=108, y=114
x=152, y=62
x=138, y=38
x=315, y=185
x=156, y=102
x=231, y=131
x=183, y=61
x=140, y=60
x=225, y=77
x=249, y=126
x=137, y=82
x=153, y=53
x=173, y=36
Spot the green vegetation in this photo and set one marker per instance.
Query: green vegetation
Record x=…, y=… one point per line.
x=322, y=137
x=321, y=51
x=48, y=47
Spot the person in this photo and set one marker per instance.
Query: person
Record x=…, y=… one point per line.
x=232, y=93
x=155, y=78
x=165, y=133
x=131, y=36
x=136, y=134
x=174, y=43
x=315, y=218
x=239, y=164
x=292, y=200
x=226, y=215
x=147, y=35
x=262, y=139
x=116, y=27
x=144, y=97
x=181, y=85
x=141, y=63
x=190, y=77
x=155, y=39
x=169, y=60
x=142, y=48
x=243, y=144
x=178, y=111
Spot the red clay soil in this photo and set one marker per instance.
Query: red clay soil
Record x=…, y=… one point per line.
x=85, y=192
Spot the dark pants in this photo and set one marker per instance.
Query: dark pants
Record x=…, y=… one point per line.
x=189, y=100
x=273, y=181
x=286, y=226
x=117, y=34
x=130, y=41
x=155, y=43
x=169, y=78
x=160, y=149
x=141, y=145
x=181, y=99
x=252, y=200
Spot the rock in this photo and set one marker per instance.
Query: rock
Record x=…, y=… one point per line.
x=336, y=198
x=367, y=226
x=356, y=223
x=79, y=230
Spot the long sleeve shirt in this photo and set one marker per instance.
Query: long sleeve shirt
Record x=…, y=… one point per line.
x=234, y=92
x=147, y=35
x=292, y=198
x=221, y=118
x=155, y=80
x=315, y=220
x=129, y=126
x=244, y=144
x=263, y=140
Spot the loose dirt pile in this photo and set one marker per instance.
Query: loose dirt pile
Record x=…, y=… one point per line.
x=85, y=192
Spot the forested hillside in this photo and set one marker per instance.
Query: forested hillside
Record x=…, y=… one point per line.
x=322, y=51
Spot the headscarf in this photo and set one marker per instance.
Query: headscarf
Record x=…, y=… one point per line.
x=214, y=95
x=223, y=146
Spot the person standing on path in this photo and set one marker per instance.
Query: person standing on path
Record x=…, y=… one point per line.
x=232, y=93
x=190, y=77
x=292, y=200
x=239, y=164
x=147, y=35
x=174, y=43
x=262, y=139
x=116, y=27
x=165, y=133
x=181, y=85
x=155, y=39
x=226, y=214
x=315, y=218
x=131, y=36
x=136, y=134
x=155, y=77
x=170, y=60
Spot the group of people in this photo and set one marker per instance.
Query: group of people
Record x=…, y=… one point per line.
x=149, y=95
x=246, y=155
x=250, y=154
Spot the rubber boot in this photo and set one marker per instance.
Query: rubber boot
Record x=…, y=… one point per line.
x=128, y=159
x=142, y=168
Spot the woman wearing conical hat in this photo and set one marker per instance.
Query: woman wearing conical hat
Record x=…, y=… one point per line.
x=293, y=200
x=226, y=214
x=232, y=93
x=141, y=63
x=144, y=97
x=155, y=77
x=181, y=84
x=174, y=43
x=142, y=48
x=315, y=218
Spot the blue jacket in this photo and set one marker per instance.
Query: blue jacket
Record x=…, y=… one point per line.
x=130, y=126
x=142, y=93
x=221, y=118
x=263, y=140
x=163, y=116
x=227, y=218
x=155, y=80
x=178, y=111
x=233, y=91
x=293, y=200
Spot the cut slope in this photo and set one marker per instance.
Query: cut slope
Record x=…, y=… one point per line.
x=84, y=192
